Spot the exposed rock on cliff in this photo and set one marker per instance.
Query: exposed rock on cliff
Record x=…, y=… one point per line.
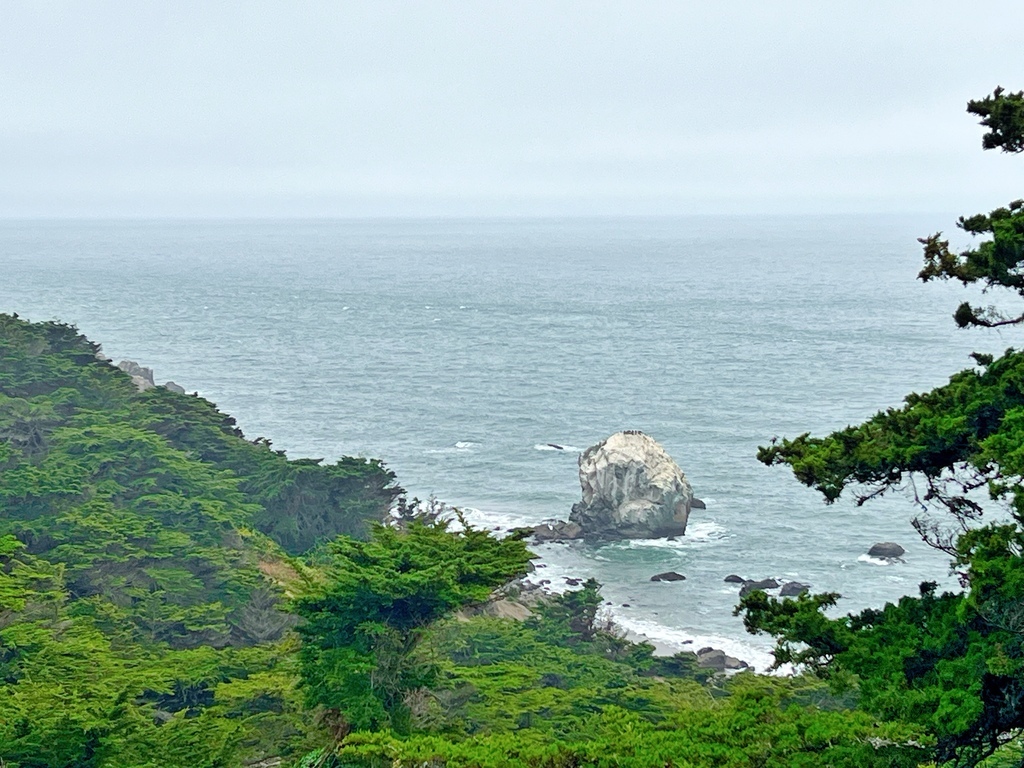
x=719, y=661
x=632, y=489
x=141, y=377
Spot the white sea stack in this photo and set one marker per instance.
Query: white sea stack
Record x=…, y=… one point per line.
x=632, y=489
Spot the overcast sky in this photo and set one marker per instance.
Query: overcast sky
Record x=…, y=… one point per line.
x=434, y=108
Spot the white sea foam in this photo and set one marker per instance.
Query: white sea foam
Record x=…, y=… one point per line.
x=875, y=560
x=466, y=444
x=702, y=531
x=679, y=639
x=495, y=521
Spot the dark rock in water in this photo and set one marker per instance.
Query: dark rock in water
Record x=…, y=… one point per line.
x=793, y=588
x=668, y=576
x=174, y=387
x=750, y=586
x=557, y=530
x=626, y=605
x=732, y=578
x=573, y=582
x=631, y=489
x=887, y=549
x=712, y=658
x=556, y=446
x=696, y=503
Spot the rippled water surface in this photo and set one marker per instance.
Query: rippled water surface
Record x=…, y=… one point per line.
x=457, y=350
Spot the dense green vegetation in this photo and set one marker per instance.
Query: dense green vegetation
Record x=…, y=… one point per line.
x=172, y=594
x=144, y=562
x=952, y=663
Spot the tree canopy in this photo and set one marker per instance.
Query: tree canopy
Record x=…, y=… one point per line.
x=952, y=663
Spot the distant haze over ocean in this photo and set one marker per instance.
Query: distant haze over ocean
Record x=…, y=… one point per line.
x=456, y=350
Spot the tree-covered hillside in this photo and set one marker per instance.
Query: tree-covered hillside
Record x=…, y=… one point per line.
x=172, y=594
x=145, y=557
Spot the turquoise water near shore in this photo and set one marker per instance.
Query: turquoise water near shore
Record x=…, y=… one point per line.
x=456, y=350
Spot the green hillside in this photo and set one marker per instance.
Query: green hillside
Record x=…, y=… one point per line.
x=146, y=552
x=172, y=594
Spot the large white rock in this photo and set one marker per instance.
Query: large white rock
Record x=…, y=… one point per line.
x=632, y=489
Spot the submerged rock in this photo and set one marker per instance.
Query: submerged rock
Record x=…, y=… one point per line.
x=793, y=588
x=668, y=576
x=763, y=584
x=632, y=489
x=887, y=549
x=732, y=578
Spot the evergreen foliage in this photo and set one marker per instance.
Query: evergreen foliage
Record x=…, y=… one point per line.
x=363, y=628
x=141, y=597
x=951, y=663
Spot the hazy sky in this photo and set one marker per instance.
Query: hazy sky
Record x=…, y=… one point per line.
x=423, y=108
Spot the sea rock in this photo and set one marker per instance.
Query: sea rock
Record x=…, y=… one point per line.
x=696, y=503
x=632, y=489
x=720, y=661
x=793, y=588
x=763, y=584
x=887, y=549
x=174, y=387
x=732, y=578
x=556, y=530
x=668, y=576
x=142, y=378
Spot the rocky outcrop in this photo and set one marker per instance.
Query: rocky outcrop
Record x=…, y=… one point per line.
x=720, y=661
x=793, y=589
x=632, y=489
x=556, y=530
x=763, y=584
x=142, y=378
x=888, y=550
x=732, y=578
x=668, y=576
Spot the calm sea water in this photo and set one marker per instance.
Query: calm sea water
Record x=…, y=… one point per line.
x=456, y=350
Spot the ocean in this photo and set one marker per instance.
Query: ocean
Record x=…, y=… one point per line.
x=458, y=350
